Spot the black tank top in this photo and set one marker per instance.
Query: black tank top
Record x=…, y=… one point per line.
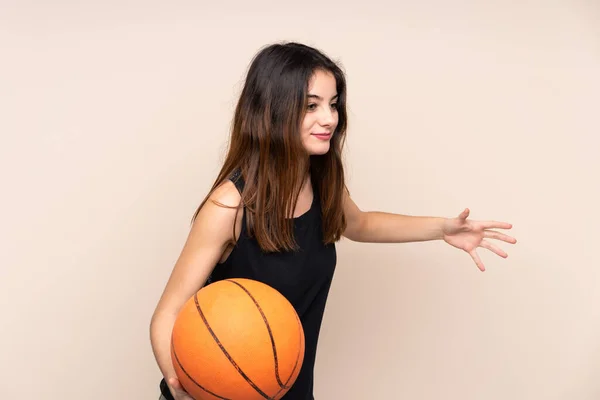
x=303, y=276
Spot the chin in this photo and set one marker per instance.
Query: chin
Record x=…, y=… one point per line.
x=318, y=150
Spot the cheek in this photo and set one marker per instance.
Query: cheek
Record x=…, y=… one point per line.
x=307, y=125
x=334, y=122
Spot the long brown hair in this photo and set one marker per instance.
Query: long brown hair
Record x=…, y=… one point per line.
x=265, y=146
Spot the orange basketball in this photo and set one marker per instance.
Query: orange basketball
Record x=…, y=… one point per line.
x=237, y=339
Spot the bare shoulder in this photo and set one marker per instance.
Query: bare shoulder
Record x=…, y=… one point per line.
x=226, y=194
x=354, y=218
x=219, y=218
x=222, y=203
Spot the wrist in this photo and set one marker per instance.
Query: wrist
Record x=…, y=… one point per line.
x=440, y=231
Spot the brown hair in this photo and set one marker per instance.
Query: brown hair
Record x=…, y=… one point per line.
x=265, y=146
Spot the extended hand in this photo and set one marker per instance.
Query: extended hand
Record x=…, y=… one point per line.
x=468, y=235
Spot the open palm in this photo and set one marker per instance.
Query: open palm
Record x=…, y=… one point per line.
x=468, y=235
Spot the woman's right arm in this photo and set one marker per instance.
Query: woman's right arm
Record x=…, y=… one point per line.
x=209, y=237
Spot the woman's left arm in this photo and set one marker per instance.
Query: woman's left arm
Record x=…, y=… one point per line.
x=460, y=232
x=383, y=227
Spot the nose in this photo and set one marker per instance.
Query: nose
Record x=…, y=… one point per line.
x=327, y=117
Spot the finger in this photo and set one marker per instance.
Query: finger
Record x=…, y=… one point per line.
x=499, y=236
x=477, y=260
x=174, y=383
x=493, y=248
x=464, y=214
x=495, y=225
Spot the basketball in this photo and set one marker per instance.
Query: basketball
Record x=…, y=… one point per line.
x=237, y=339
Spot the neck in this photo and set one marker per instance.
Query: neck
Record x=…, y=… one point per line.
x=305, y=173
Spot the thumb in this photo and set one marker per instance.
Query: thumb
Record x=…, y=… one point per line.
x=177, y=390
x=174, y=383
x=463, y=215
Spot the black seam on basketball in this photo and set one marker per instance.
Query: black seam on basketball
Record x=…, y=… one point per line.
x=300, y=348
x=192, y=379
x=264, y=317
x=226, y=353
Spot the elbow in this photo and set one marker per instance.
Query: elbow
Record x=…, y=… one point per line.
x=159, y=319
x=160, y=327
x=154, y=323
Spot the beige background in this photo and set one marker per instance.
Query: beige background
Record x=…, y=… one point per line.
x=114, y=116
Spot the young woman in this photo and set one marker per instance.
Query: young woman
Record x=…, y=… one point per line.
x=279, y=204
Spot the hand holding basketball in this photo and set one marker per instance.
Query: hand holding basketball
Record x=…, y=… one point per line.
x=177, y=390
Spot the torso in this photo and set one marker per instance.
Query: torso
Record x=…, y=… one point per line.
x=303, y=277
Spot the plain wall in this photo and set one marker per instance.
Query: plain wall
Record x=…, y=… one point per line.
x=114, y=117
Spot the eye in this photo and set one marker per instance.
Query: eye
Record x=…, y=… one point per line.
x=312, y=107
x=334, y=106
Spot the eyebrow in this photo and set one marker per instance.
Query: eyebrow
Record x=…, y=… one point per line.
x=314, y=96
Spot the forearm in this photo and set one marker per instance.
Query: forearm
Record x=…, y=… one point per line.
x=381, y=227
x=160, y=339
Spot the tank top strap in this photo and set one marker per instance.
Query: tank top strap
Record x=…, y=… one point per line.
x=237, y=179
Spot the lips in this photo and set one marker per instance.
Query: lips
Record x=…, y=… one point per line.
x=322, y=136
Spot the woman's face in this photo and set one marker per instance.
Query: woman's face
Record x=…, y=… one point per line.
x=321, y=116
